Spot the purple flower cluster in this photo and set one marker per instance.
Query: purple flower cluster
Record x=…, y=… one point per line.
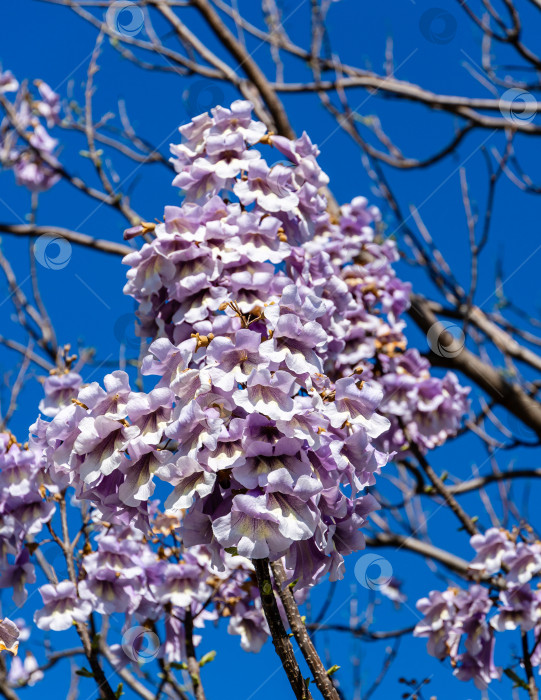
x=278, y=385
x=245, y=433
x=263, y=441
x=119, y=571
x=127, y=573
x=23, y=512
x=457, y=615
x=260, y=240
x=506, y=566
x=26, y=146
x=428, y=409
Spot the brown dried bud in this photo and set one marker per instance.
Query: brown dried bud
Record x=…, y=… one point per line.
x=148, y=226
x=266, y=140
x=202, y=340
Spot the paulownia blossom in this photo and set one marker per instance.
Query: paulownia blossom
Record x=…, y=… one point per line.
x=31, y=157
x=277, y=387
x=120, y=571
x=249, y=418
x=463, y=624
x=261, y=237
x=9, y=636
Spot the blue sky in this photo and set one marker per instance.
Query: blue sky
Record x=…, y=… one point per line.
x=88, y=308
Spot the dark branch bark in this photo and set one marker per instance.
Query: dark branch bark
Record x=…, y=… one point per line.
x=249, y=66
x=5, y=690
x=72, y=236
x=363, y=632
x=90, y=648
x=193, y=665
x=280, y=637
x=441, y=488
x=323, y=681
x=482, y=481
x=383, y=539
x=487, y=378
x=532, y=688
